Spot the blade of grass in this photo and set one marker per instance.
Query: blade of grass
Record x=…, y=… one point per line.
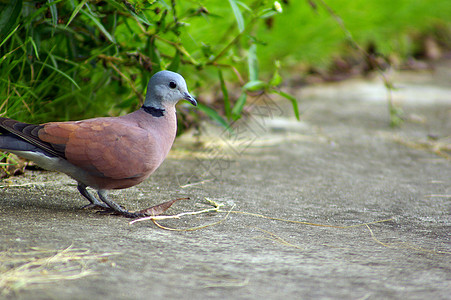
x=276, y=78
x=252, y=63
x=8, y=36
x=54, y=13
x=238, y=15
x=28, y=89
x=61, y=73
x=9, y=17
x=293, y=101
x=38, y=12
x=75, y=12
x=99, y=25
x=43, y=67
x=98, y=52
x=244, y=5
x=225, y=95
x=254, y=85
x=213, y=115
x=35, y=48
x=239, y=105
x=139, y=16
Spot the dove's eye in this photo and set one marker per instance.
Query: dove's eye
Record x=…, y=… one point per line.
x=172, y=85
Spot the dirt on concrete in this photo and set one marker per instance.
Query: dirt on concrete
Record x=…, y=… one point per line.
x=341, y=165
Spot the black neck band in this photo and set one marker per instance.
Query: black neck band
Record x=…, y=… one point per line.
x=156, y=112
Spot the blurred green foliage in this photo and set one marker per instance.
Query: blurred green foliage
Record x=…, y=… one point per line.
x=75, y=59
x=306, y=33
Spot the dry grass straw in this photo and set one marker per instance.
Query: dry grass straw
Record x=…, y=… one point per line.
x=440, y=147
x=275, y=238
x=26, y=184
x=229, y=283
x=20, y=270
x=404, y=245
x=216, y=207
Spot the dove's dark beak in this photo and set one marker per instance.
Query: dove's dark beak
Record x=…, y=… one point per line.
x=190, y=99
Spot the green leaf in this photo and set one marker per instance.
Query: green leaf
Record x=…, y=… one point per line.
x=8, y=36
x=244, y=5
x=138, y=15
x=293, y=100
x=163, y=3
x=276, y=78
x=254, y=85
x=9, y=16
x=36, y=51
x=267, y=13
x=141, y=17
x=238, y=15
x=99, y=25
x=252, y=63
x=225, y=95
x=210, y=112
x=174, y=66
x=239, y=105
x=75, y=12
x=54, y=13
x=154, y=56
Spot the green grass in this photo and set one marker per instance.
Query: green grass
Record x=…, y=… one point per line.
x=62, y=60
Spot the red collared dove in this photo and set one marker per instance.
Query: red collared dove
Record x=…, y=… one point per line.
x=105, y=153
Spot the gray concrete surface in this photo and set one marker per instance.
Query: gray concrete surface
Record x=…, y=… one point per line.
x=341, y=165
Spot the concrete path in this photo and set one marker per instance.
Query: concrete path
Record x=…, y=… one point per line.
x=342, y=165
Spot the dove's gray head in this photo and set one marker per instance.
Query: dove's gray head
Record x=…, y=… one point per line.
x=166, y=88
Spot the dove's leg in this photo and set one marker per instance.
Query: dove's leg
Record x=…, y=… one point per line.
x=116, y=208
x=94, y=202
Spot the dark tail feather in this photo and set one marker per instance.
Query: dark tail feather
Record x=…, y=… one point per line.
x=10, y=142
x=15, y=135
